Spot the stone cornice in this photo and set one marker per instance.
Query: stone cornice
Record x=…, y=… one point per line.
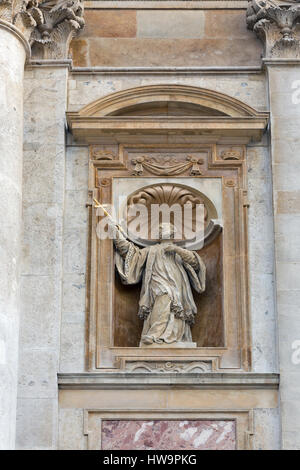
x=168, y=70
x=275, y=23
x=88, y=129
x=283, y=61
x=133, y=380
x=52, y=63
x=16, y=32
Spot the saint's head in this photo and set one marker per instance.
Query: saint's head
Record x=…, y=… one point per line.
x=166, y=231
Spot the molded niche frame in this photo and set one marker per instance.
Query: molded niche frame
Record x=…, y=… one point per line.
x=172, y=143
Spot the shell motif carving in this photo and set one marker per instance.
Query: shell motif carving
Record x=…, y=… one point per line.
x=182, y=202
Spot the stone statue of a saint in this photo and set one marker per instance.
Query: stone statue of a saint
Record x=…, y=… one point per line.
x=168, y=273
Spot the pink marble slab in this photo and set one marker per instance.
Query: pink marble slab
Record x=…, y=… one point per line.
x=168, y=435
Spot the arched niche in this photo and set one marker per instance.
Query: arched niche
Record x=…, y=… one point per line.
x=161, y=134
x=208, y=330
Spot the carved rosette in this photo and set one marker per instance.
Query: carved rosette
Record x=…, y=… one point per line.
x=275, y=24
x=49, y=26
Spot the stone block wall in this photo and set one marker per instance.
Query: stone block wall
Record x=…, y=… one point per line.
x=145, y=38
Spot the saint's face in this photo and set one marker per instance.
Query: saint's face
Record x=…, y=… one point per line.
x=166, y=232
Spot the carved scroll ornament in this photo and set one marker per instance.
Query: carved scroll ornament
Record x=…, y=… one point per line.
x=169, y=366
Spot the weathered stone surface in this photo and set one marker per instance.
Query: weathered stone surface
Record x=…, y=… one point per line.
x=170, y=24
x=288, y=202
x=38, y=326
x=172, y=52
x=71, y=430
x=76, y=172
x=42, y=239
x=226, y=24
x=75, y=244
x=44, y=181
x=261, y=259
x=36, y=420
x=72, y=349
x=41, y=176
x=267, y=431
x=146, y=37
x=38, y=371
x=248, y=88
x=110, y=23
x=285, y=152
x=73, y=307
x=167, y=399
x=12, y=59
x=72, y=353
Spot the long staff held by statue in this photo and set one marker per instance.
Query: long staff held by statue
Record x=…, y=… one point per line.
x=98, y=205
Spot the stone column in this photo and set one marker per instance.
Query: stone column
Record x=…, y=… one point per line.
x=45, y=106
x=277, y=27
x=13, y=50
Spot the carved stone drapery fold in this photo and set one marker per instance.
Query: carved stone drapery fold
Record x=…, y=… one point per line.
x=166, y=167
x=275, y=22
x=49, y=25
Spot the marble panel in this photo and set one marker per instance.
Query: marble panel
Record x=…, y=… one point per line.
x=168, y=435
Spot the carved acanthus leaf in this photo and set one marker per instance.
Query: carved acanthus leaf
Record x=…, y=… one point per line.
x=275, y=23
x=24, y=14
x=6, y=10
x=48, y=25
x=62, y=19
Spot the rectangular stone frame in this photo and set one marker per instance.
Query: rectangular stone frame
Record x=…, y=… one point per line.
x=225, y=161
x=243, y=419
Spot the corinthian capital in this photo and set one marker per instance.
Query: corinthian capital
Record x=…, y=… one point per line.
x=24, y=14
x=276, y=23
x=62, y=19
x=48, y=25
x=6, y=10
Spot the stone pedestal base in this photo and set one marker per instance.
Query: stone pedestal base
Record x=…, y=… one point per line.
x=180, y=344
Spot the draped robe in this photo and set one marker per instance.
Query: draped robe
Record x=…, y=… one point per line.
x=166, y=301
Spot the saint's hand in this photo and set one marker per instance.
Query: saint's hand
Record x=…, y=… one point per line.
x=170, y=248
x=114, y=230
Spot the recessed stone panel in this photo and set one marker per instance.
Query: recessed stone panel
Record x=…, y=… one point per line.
x=168, y=435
